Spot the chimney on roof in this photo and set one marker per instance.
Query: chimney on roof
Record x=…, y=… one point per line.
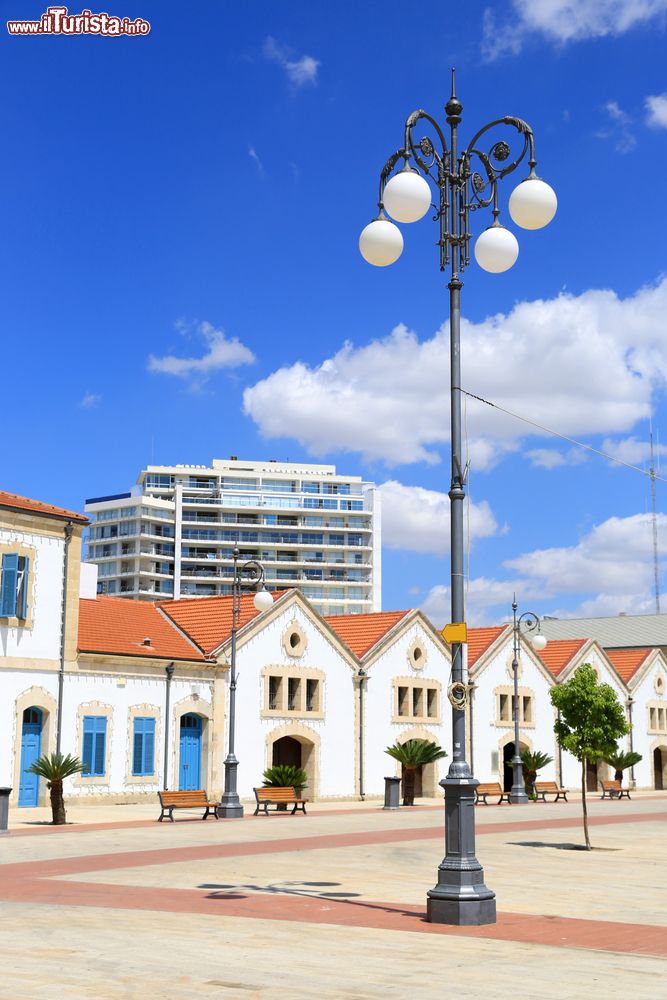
x=147, y=641
x=233, y=458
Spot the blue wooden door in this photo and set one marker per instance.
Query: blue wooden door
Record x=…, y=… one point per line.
x=189, y=774
x=31, y=747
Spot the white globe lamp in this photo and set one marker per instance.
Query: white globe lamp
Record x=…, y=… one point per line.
x=496, y=249
x=381, y=242
x=533, y=203
x=263, y=600
x=407, y=196
x=538, y=642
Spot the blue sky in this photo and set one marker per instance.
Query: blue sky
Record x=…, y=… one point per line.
x=181, y=280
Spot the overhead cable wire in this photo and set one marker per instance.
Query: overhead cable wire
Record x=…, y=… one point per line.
x=564, y=437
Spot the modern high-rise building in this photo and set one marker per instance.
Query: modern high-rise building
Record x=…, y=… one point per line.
x=174, y=533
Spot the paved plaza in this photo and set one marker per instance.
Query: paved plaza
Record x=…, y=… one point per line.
x=331, y=905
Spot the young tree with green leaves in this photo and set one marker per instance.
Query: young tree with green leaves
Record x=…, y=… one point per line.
x=533, y=761
x=591, y=720
x=414, y=754
x=55, y=768
x=622, y=760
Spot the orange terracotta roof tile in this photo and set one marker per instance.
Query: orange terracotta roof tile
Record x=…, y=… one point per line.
x=558, y=652
x=481, y=639
x=119, y=626
x=17, y=502
x=362, y=632
x=628, y=661
x=208, y=620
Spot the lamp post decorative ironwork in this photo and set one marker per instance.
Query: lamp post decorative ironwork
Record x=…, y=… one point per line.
x=247, y=576
x=531, y=621
x=460, y=896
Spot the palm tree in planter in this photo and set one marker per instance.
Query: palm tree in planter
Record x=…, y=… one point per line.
x=55, y=768
x=621, y=761
x=285, y=776
x=533, y=761
x=414, y=754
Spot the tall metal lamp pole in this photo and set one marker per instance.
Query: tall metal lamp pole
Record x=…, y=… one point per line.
x=230, y=805
x=460, y=896
x=538, y=642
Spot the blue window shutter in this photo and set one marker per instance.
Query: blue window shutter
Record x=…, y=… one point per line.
x=88, y=737
x=100, y=744
x=22, y=590
x=149, y=746
x=138, y=747
x=10, y=572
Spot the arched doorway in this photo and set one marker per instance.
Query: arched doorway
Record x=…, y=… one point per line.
x=659, y=768
x=31, y=748
x=286, y=750
x=189, y=770
x=591, y=776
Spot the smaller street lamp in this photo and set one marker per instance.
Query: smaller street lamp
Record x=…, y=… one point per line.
x=230, y=805
x=538, y=641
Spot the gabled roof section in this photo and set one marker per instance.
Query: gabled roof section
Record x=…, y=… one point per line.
x=628, y=661
x=559, y=652
x=15, y=502
x=208, y=620
x=480, y=640
x=116, y=626
x=362, y=632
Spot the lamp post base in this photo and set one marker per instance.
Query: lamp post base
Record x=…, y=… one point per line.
x=518, y=796
x=229, y=808
x=460, y=898
x=230, y=805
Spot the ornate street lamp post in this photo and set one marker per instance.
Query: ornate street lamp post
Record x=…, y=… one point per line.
x=247, y=576
x=538, y=642
x=460, y=897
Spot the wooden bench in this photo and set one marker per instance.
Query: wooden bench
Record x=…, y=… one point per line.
x=277, y=797
x=196, y=799
x=613, y=790
x=492, y=788
x=544, y=788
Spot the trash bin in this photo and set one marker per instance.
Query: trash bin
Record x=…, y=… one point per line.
x=4, y=808
x=392, y=793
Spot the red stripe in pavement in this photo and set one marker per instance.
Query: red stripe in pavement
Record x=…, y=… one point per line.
x=170, y=855
x=563, y=932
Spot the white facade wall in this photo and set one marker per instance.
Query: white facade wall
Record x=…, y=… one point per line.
x=649, y=686
x=42, y=640
x=391, y=667
x=333, y=736
x=493, y=673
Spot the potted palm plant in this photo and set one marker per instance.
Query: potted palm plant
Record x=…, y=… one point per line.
x=55, y=768
x=285, y=776
x=621, y=761
x=533, y=761
x=413, y=754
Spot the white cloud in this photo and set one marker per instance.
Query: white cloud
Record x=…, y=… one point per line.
x=632, y=450
x=221, y=353
x=300, y=71
x=656, y=108
x=550, y=458
x=254, y=156
x=620, y=129
x=89, y=401
x=611, y=567
x=599, y=358
x=417, y=519
x=564, y=21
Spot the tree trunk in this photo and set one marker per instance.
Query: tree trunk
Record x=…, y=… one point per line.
x=57, y=803
x=409, y=786
x=583, y=802
x=618, y=776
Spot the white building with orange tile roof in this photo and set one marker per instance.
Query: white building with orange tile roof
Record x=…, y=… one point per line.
x=490, y=717
x=644, y=670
